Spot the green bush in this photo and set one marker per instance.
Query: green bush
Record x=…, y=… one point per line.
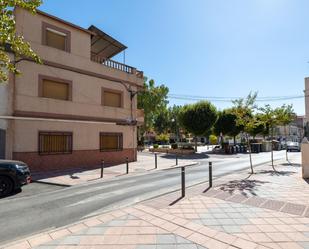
x=174, y=146
x=213, y=139
x=155, y=146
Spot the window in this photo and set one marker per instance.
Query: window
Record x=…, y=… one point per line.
x=54, y=88
x=51, y=143
x=56, y=37
x=112, y=98
x=110, y=141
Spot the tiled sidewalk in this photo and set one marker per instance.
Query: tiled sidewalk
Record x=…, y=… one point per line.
x=144, y=164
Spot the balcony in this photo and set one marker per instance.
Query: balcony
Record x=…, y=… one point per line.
x=117, y=65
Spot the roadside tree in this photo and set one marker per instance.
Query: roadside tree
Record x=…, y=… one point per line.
x=153, y=100
x=198, y=118
x=244, y=111
x=285, y=115
x=10, y=41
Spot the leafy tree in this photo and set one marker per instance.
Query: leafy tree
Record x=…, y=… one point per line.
x=285, y=115
x=153, y=100
x=10, y=40
x=269, y=118
x=227, y=125
x=198, y=118
x=162, y=122
x=243, y=109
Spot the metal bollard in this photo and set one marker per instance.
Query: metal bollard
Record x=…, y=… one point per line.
x=210, y=174
x=183, y=182
x=176, y=159
x=102, y=168
x=156, y=160
x=127, y=162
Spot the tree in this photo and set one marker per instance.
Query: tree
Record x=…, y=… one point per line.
x=243, y=109
x=153, y=100
x=198, y=118
x=162, y=122
x=285, y=115
x=226, y=124
x=269, y=118
x=10, y=41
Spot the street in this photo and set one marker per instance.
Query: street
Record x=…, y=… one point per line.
x=23, y=215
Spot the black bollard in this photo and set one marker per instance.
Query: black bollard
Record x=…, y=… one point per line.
x=102, y=168
x=176, y=159
x=210, y=174
x=156, y=161
x=127, y=162
x=183, y=182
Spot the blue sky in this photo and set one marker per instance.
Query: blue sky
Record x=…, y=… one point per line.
x=207, y=47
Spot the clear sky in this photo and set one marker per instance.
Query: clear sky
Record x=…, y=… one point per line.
x=207, y=47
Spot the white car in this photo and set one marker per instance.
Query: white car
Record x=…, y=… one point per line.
x=293, y=146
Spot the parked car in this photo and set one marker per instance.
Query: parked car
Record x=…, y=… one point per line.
x=13, y=175
x=293, y=146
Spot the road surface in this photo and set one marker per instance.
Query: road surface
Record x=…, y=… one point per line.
x=27, y=215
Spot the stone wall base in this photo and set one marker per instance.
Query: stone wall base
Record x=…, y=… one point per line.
x=87, y=159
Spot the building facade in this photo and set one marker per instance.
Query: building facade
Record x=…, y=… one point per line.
x=76, y=108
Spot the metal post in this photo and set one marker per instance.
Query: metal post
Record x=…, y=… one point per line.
x=156, y=160
x=127, y=162
x=176, y=159
x=210, y=174
x=183, y=182
x=102, y=168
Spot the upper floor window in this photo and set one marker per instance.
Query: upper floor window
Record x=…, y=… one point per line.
x=56, y=37
x=54, y=88
x=112, y=98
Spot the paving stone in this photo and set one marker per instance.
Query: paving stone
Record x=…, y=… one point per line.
x=146, y=247
x=232, y=229
x=187, y=246
x=304, y=245
x=166, y=239
x=166, y=247
x=255, y=201
x=223, y=195
x=292, y=208
x=273, y=205
x=238, y=198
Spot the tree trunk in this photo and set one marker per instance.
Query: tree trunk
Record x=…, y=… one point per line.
x=250, y=156
x=286, y=144
x=272, y=149
x=234, y=140
x=195, y=144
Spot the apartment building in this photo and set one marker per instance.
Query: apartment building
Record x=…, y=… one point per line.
x=76, y=108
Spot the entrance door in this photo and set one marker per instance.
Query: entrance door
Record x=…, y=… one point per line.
x=2, y=144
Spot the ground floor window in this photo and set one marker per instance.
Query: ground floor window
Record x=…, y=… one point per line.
x=51, y=143
x=111, y=141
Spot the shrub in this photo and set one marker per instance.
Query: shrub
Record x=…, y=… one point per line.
x=155, y=146
x=174, y=146
x=213, y=139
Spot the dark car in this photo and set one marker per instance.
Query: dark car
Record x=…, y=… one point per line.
x=13, y=174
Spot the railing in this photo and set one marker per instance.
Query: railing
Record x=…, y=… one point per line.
x=117, y=65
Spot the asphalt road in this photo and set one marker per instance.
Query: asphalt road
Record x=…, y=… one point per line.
x=27, y=215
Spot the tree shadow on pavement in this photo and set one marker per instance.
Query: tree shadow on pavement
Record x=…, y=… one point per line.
x=276, y=173
x=242, y=186
x=291, y=164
